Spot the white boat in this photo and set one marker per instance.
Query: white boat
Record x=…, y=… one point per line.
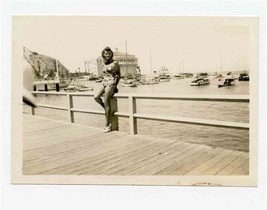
x=70, y=88
x=129, y=83
x=164, y=78
x=149, y=80
x=228, y=80
x=200, y=81
x=78, y=87
x=81, y=89
x=163, y=74
x=178, y=76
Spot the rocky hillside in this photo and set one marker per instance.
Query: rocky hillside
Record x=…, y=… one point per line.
x=45, y=66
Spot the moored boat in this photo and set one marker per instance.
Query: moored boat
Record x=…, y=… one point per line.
x=70, y=88
x=228, y=80
x=81, y=89
x=149, y=80
x=178, y=76
x=129, y=85
x=200, y=81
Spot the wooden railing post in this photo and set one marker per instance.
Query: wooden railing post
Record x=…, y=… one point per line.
x=114, y=108
x=70, y=105
x=32, y=110
x=132, y=119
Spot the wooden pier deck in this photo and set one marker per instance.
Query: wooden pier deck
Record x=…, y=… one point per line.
x=53, y=147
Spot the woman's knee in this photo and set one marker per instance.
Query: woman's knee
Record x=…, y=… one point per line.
x=97, y=98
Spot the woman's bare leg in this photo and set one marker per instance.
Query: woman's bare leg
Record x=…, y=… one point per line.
x=107, y=97
x=98, y=94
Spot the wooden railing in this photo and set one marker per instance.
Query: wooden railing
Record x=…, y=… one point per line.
x=133, y=116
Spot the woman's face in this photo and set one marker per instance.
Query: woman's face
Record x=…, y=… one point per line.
x=107, y=55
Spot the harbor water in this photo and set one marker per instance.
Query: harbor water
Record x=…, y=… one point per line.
x=233, y=139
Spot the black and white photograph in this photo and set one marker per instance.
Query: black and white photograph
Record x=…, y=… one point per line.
x=133, y=104
x=137, y=99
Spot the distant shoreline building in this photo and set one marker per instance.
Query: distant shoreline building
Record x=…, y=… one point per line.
x=128, y=64
x=90, y=67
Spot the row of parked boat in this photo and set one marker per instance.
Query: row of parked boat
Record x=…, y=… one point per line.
x=77, y=87
x=68, y=86
x=223, y=80
x=200, y=79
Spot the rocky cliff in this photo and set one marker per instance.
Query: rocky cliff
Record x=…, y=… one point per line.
x=45, y=66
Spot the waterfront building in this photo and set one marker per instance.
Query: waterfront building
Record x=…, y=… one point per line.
x=128, y=64
x=90, y=67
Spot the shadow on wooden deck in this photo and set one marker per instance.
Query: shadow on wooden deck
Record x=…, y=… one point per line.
x=53, y=147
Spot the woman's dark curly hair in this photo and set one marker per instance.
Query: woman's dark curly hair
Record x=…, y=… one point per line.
x=107, y=49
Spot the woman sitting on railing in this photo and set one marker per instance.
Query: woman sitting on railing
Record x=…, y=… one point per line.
x=111, y=71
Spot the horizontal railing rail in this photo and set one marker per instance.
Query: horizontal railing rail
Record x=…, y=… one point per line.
x=219, y=98
x=133, y=116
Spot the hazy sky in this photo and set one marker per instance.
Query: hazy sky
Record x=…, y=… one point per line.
x=201, y=43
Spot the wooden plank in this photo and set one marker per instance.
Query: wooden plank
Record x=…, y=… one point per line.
x=148, y=166
x=63, y=137
x=68, y=141
x=97, y=164
x=188, y=164
x=37, y=127
x=120, y=154
x=62, y=151
x=232, y=166
x=201, y=157
x=242, y=169
x=84, y=152
x=68, y=147
x=28, y=124
x=227, y=98
x=56, y=133
x=97, y=157
x=209, y=164
x=194, y=121
x=29, y=119
x=92, y=162
x=124, y=165
x=54, y=147
x=171, y=169
x=179, y=161
x=222, y=163
x=59, y=135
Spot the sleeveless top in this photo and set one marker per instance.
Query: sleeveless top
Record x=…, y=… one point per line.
x=110, y=72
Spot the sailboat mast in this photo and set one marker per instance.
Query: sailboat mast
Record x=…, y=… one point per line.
x=221, y=63
x=126, y=61
x=150, y=61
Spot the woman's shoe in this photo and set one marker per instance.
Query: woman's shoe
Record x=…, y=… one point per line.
x=108, y=128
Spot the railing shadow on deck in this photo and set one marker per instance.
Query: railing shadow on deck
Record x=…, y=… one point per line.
x=133, y=115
